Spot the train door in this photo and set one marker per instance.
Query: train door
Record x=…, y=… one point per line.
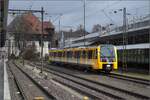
x=89, y=57
x=65, y=56
x=86, y=56
x=78, y=56
x=94, y=59
x=73, y=56
x=82, y=57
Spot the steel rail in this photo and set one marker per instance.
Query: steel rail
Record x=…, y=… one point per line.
x=18, y=84
x=36, y=83
x=105, y=85
x=75, y=88
x=130, y=78
x=98, y=83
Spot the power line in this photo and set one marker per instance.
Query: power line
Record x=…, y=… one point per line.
x=72, y=0
x=91, y=14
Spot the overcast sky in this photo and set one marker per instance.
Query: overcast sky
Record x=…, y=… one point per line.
x=97, y=11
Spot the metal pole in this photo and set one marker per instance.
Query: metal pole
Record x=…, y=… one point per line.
x=124, y=40
x=23, y=46
x=42, y=14
x=8, y=49
x=59, y=27
x=84, y=21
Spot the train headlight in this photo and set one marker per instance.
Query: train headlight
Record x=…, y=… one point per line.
x=108, y=66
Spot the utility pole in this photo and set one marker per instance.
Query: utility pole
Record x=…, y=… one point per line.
x=21, y=11
x=23, y=46
x=8, y=49
x=59, y=25
x=84, y=20
x=124, y=58
x=42, y=14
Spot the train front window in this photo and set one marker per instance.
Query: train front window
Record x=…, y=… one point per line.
x=107, y=52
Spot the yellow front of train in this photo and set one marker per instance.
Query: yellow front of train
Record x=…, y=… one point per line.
x=107, y=58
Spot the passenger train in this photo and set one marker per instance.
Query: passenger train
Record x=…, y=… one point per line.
x=100, y=58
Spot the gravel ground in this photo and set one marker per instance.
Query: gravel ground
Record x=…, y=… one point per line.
x=105, y=80
x=30, y=89
x=14, y=92
x=56, y=90
x=106, y=89
x=123, y=84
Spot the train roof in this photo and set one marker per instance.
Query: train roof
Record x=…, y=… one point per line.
x=78, y=48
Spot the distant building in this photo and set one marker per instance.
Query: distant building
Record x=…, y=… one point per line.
x=27, y=30
x=66, y=36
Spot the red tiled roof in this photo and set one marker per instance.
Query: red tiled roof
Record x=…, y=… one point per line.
x=30, y=24
x=48, y=24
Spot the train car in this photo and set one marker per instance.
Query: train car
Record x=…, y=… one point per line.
x=101, y=58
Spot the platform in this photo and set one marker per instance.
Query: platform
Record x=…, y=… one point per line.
x=4, y=84
x=1, y=80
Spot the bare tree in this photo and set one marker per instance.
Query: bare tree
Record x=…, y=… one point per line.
x=96, y=28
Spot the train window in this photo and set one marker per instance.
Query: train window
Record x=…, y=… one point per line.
x=68, y=54
x=83, y=54
x=95, y=54
x=54, y=54
x=64, y=54
x=73, y=54
x=50, y=54
x=78, y=54
x=90, y=54
x=59, y=54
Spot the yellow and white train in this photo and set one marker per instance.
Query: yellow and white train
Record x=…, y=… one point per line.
x=102, y=57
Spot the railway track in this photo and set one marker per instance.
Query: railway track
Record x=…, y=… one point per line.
x=80, y=87
x=129, y=78
x=108, y=90
x=28, y=87
x=19, y=89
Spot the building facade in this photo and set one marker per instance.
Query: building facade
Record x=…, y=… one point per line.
x=27, y=31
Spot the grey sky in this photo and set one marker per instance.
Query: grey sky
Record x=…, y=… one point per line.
x=97, y=11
